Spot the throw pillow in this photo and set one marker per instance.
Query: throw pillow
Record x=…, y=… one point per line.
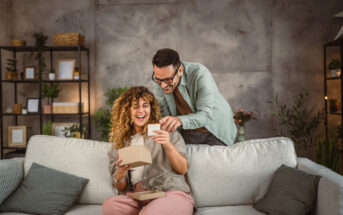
x=11, y=174
x=45, y=191
x=291, y=191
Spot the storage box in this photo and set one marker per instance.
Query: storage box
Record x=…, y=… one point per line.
x=145, y=195
x=135, y=156
x=66, y=107
x=69, y=39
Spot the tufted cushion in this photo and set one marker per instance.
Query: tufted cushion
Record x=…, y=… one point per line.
x=236, y=175
x=83, y=158
x=11, y=174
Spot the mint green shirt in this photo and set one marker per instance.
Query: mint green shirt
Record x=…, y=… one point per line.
x=210, y=109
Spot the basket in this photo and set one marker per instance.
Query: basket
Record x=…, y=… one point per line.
x=69, y=39
x=18, y=42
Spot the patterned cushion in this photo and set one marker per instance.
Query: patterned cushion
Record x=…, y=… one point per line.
x=11, y=174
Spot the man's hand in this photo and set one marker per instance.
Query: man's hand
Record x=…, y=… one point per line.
x=170, y=123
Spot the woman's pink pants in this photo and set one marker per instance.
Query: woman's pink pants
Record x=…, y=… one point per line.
x=174, y=202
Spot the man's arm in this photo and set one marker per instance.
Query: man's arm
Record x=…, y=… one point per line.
x=204, y=103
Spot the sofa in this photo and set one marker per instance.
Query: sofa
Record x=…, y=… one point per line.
x=223, y=180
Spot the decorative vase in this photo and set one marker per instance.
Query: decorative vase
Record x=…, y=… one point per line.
x=51, y=76
x=241, y=134
x=47, y=109
x=335, y=73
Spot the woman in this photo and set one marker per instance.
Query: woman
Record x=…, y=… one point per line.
x=131, y=114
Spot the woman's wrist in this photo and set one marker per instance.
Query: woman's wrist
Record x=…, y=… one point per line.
x=118, y=180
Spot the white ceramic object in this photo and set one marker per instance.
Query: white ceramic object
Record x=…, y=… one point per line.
x=52, y=76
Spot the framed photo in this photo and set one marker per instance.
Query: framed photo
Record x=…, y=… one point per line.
x=29, y=73
x=32, y=105
x=57, y=128
x=17, y=136
x=65, y=69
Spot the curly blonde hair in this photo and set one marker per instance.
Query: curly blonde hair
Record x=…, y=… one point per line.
x=122, y=127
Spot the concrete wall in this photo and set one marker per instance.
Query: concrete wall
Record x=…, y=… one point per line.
x=254, y=49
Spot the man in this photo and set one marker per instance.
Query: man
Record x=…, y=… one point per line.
x=189, y=98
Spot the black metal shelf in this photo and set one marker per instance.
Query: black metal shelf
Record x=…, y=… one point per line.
x=334, y=113
x=327, y=113
x=45, y=81
x=6, y=147
x=45, y=114
x=48, y=48
x=333, y=78
x=38, y=82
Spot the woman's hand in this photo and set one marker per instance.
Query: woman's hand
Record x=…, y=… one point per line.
x=162, y=137
x=121, y=171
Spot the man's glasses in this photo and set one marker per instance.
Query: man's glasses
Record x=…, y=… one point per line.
x=167, y=81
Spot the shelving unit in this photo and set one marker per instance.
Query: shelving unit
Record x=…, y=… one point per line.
x=39, y=82
x=329, y=81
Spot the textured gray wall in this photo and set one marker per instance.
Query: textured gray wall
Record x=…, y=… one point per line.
x=254, y=49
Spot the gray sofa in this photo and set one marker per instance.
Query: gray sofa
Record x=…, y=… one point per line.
x=223, y=180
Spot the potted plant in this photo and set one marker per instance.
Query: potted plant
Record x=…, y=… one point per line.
x=40, y=41
x=334, y=106
x=52, y=75
x=47, y=127
x=49, y=92
x=103, y=116
x=11, y=73
x=74, y=131
x=24, y=110
x=334, y=67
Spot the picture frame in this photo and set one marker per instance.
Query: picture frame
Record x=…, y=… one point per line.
x=32, y=105
x=65, y=69
x=29, y=73
x=58, y=127
x=17, y=136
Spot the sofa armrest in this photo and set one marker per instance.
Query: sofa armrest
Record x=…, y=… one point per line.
x=330, y=188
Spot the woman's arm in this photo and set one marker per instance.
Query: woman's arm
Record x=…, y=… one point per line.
x=119, y=176
x=177, y=160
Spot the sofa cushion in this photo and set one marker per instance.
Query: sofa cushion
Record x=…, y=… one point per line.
x=237, y=174
x=83, y=158
x=291, y=192
x=231, y=210
x=85, y=210
x=11, y=174
x=45, y=191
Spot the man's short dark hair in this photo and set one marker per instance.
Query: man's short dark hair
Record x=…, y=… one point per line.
x=165, y=57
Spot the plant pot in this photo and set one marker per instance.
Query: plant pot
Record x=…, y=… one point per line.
x=11, y=76
x=47, y=109
x=17, y=108
x=334, y=106
x=24, y=111
x=335, y=72
x=52, y=76
x=77, y=135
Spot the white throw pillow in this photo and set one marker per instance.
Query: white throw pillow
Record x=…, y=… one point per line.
x=83, y=158
x=236, y=175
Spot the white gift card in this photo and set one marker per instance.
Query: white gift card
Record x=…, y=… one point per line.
x=152, y=127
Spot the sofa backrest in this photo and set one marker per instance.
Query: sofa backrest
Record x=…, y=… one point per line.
x=83, y=158
x=236, y=175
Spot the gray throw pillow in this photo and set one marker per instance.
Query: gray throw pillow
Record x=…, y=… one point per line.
x=45, y=191
x=11, y=174
x=291, y=191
